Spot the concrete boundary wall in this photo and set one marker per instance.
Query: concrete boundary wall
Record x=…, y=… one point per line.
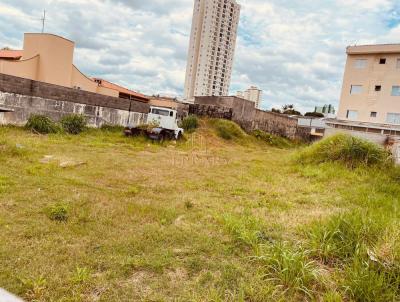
x=244, y=113
x=23, y=106
x=23, y=97
x=27, y=87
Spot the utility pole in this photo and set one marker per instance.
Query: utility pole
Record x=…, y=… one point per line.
x=43, y=20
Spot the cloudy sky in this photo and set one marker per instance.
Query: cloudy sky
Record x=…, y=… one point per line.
x=294, y=50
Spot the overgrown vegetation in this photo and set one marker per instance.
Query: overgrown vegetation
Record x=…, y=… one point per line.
x=41, y=124
x=73, y=123
x=190, y=123
x=349, y=150
x=112, y=128
x=273, y=140
x=134, y=225
x=58, y=212
x=226, y=129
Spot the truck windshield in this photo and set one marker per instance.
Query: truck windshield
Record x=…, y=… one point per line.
x=160, y=112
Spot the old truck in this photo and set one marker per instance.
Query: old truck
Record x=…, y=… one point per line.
x=161, y=124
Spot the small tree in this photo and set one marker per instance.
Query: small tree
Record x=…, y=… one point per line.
x=289, y=110
x=314, y=114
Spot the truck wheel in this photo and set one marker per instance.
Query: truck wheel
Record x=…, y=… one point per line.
x=161, y=137
x=127, y=132
x=180, y=136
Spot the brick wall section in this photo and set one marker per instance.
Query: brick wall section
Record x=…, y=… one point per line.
x=248, y=117
x=21, y=86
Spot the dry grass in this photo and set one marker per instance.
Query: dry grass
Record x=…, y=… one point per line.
x=149, y=222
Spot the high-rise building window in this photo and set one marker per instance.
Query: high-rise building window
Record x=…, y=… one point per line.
x=360, y=63
x=396, y=91
x=356, y=89
x=352, y=114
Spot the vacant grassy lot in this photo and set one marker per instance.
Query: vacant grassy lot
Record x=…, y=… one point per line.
x=101, y=217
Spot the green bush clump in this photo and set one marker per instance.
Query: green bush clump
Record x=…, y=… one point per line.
x=349, y=150
x=41, y=124
x=271, y=139
x=73, y=123
x=58, y=212
x=227, y=130
x=190, y=123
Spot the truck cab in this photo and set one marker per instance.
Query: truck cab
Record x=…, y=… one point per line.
x=164, y=122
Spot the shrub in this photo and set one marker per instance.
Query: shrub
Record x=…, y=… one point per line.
x=271, y=139
x=190, y=123
x=351, y=151
x=227, y=129
x=73, y=123
x=58, y=213
x=41, y=124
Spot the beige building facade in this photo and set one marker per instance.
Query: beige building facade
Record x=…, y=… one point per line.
x=49, y=58
x=212, y=48
x=252, y=94
x=371, y=85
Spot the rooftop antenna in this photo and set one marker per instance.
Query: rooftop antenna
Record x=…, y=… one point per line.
x=43, y=20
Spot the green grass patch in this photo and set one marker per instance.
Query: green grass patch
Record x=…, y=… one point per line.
x=346, y=235
x=130, y=225
x=227, y=130
x=349, y=150
x=190, y=123
x=291, y=269
x=272, y=140
x=58, y=212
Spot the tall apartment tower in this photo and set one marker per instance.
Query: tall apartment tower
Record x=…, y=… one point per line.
x=212, y=48
x=252, y=94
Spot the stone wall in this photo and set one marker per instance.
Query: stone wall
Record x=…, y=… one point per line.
x=25, y=97
x=248, y=117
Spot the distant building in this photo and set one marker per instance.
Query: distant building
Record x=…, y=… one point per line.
x=49, y=58
x=252, y=94
x=326, y=110
x=212, y=48
x=371, y=85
